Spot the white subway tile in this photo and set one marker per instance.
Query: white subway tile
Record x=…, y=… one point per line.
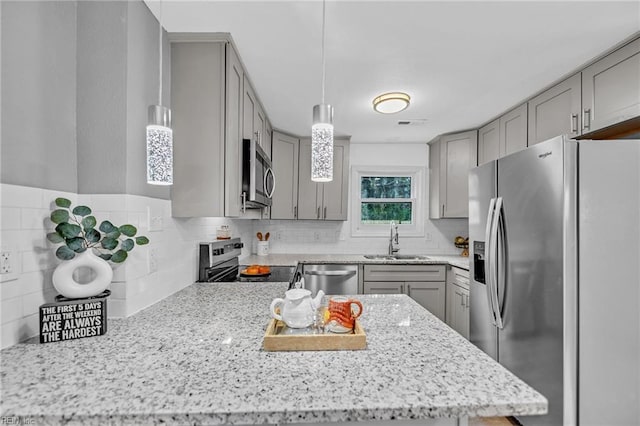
x=116, y=308
x=11, y=333
x=33, y=282
x=21, y=196
x=36, y=219
x=49, y=197
x=11, y=289
x=34, y=261
x=11, y=309
x=10, y=218
x=31, y=303
x=31, y=326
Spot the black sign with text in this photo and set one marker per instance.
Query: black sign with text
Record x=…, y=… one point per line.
x=73, y=319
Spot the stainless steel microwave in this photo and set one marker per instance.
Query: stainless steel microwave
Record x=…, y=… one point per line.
x=258, y=180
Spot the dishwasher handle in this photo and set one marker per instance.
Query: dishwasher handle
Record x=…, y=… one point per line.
x=331, y=273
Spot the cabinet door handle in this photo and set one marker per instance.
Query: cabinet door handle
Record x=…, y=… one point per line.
x=325, y=212
x=318, y=213
x=586, y=119
x=442, y=211
x=574, y=123
x=295, y=212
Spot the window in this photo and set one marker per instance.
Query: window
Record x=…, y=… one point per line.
x=385, y=195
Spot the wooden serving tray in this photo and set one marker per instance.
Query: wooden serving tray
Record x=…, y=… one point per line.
x=275, y=340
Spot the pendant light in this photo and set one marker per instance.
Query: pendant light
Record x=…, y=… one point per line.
x=159, y=134
x=322, y=131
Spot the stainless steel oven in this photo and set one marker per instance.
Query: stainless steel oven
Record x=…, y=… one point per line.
x=258, y=181
x=219, y=263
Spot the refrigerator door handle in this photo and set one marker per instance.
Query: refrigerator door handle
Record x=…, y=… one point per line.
x=501, y=264
x=493, y=272
x=489, y=260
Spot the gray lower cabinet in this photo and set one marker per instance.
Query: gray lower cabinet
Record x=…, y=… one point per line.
x=611, y=88
x=206, y=100
x=423, y=283
x=285, y=169
x=450, y=158
x=458, y=300
x=556, y=111
x=324, y=201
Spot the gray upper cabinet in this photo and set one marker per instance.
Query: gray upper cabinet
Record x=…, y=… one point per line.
x=255, y=124
x=457, y=154
x=203, y=128
x=489, y=142
x=324, y=201
x=513, y=130
x=611, y=88
x=503, y=136
x=285, y=168
x=210, y=100
x=556, y=111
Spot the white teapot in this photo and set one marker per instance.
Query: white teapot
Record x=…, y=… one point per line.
x=297, y=308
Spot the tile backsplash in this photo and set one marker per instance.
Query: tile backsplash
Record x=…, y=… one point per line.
x=24, y=223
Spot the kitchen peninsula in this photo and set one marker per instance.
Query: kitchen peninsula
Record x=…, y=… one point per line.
x=196, y=357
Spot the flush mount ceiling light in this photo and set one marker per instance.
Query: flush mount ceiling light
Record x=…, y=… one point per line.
x=390, y=103
x=322, y=131
x=159, y=134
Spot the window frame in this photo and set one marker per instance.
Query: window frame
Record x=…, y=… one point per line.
x=417, y=174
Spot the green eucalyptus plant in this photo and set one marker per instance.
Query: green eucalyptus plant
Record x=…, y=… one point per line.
x=76, y=229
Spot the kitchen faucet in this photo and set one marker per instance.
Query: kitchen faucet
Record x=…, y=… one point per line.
x=393, y=240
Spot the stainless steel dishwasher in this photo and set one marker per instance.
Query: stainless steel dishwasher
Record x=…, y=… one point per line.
x=331, y=278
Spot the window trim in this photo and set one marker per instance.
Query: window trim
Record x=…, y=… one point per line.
x=417, y=174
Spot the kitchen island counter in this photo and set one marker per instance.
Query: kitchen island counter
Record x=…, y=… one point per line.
x=196, y=357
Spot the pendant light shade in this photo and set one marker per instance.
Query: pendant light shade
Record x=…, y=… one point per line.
x=159, y=133
x=322, y=131
x=322, y=144
x=159, y=146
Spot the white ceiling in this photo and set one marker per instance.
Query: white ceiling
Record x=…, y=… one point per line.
x=463, y=63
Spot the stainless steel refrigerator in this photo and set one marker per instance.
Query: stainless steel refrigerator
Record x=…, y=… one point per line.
x=554, y=236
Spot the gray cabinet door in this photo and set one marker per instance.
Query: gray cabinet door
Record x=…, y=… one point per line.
x=435, y=210
x=611, y=88
x=198, y=108
x=382, y=287
x=458, y=153
x=513, y=131
x=489, y=142
x=233, y=136
x=335, y=200
x=556, y=111
x=430, y=294
x=285, y=167
x=260, y=129
x=249, y=108
x=309, y=192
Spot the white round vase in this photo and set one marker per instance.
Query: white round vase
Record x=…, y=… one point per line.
x=68, y=287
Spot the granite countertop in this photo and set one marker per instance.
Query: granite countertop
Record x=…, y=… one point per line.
x=293, y=259
x=196, y=358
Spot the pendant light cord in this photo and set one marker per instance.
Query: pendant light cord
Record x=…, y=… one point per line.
x=323, y=61
x=160, y=54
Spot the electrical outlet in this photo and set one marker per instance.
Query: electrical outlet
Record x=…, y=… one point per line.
x=152, y=260
x=427, y=236
x=279, y=236
x=6, y=262
x=154, y=219
x=316, y=236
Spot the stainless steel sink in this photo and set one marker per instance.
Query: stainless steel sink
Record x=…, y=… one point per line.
x=395, y=257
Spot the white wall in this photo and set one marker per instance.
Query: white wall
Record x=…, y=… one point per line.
x=310, y=236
